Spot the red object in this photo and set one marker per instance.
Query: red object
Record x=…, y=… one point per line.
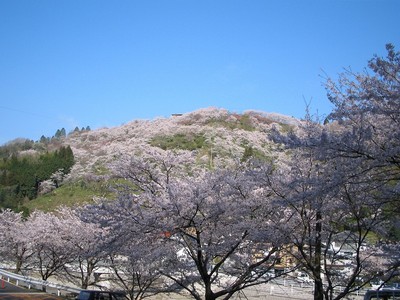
x=3, y=284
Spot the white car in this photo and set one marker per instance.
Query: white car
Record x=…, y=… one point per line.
x=303, y=277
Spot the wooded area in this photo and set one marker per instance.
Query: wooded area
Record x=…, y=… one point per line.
x=22, y=176
x=328, y=207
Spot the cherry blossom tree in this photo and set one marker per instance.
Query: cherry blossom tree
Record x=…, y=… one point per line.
x=86, y=242
x=218, y=236
x=56, y=244
x=14, y=240
x=133, y=250
x=333, y=217
x=49, y=241
x=367, y=106
x=226, y=238
x=343, y=180
x=135, y=269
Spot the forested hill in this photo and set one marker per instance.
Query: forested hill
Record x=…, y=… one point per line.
x=216, y=137
x=212, y=133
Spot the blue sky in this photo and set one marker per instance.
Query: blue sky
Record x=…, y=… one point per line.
x=69, y=63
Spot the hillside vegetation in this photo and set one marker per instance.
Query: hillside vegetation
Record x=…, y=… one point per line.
x=218, y=138
x=182, y=199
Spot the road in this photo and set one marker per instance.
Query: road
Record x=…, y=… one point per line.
x=9, y=291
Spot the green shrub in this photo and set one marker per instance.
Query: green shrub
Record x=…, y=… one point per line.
x=180, y=141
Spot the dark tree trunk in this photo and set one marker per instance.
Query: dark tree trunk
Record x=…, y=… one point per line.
x=318, y=287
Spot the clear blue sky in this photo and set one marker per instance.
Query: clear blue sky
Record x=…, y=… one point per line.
x=67, y=63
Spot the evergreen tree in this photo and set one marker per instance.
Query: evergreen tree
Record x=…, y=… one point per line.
x=57, y=134
x=44, y=140
x=21, y=178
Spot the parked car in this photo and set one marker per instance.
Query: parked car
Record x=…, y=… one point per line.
x=377, y=284
x=392, y=285
x=383, y=294
x=304, y=278
x=100, y=295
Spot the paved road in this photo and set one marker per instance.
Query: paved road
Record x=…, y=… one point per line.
x=11, y=292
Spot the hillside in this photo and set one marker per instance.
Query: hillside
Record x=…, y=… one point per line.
x=226, y=135
x=216, y=137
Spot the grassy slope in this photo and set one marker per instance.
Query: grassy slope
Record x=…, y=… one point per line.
x=71, y=194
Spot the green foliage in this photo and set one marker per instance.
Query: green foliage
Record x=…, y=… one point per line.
x=286, y=128
x=20, y=176
x=179, y=141
x=60, y=133
x=250, y=152
x=16, y=146
x=234, y=121
x=44, y=140
x=247, y=154
x=71, y=194
x=83, y=129
x=228, y=120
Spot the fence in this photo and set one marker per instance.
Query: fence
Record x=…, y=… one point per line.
x=270, y=291
x=36, y=283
